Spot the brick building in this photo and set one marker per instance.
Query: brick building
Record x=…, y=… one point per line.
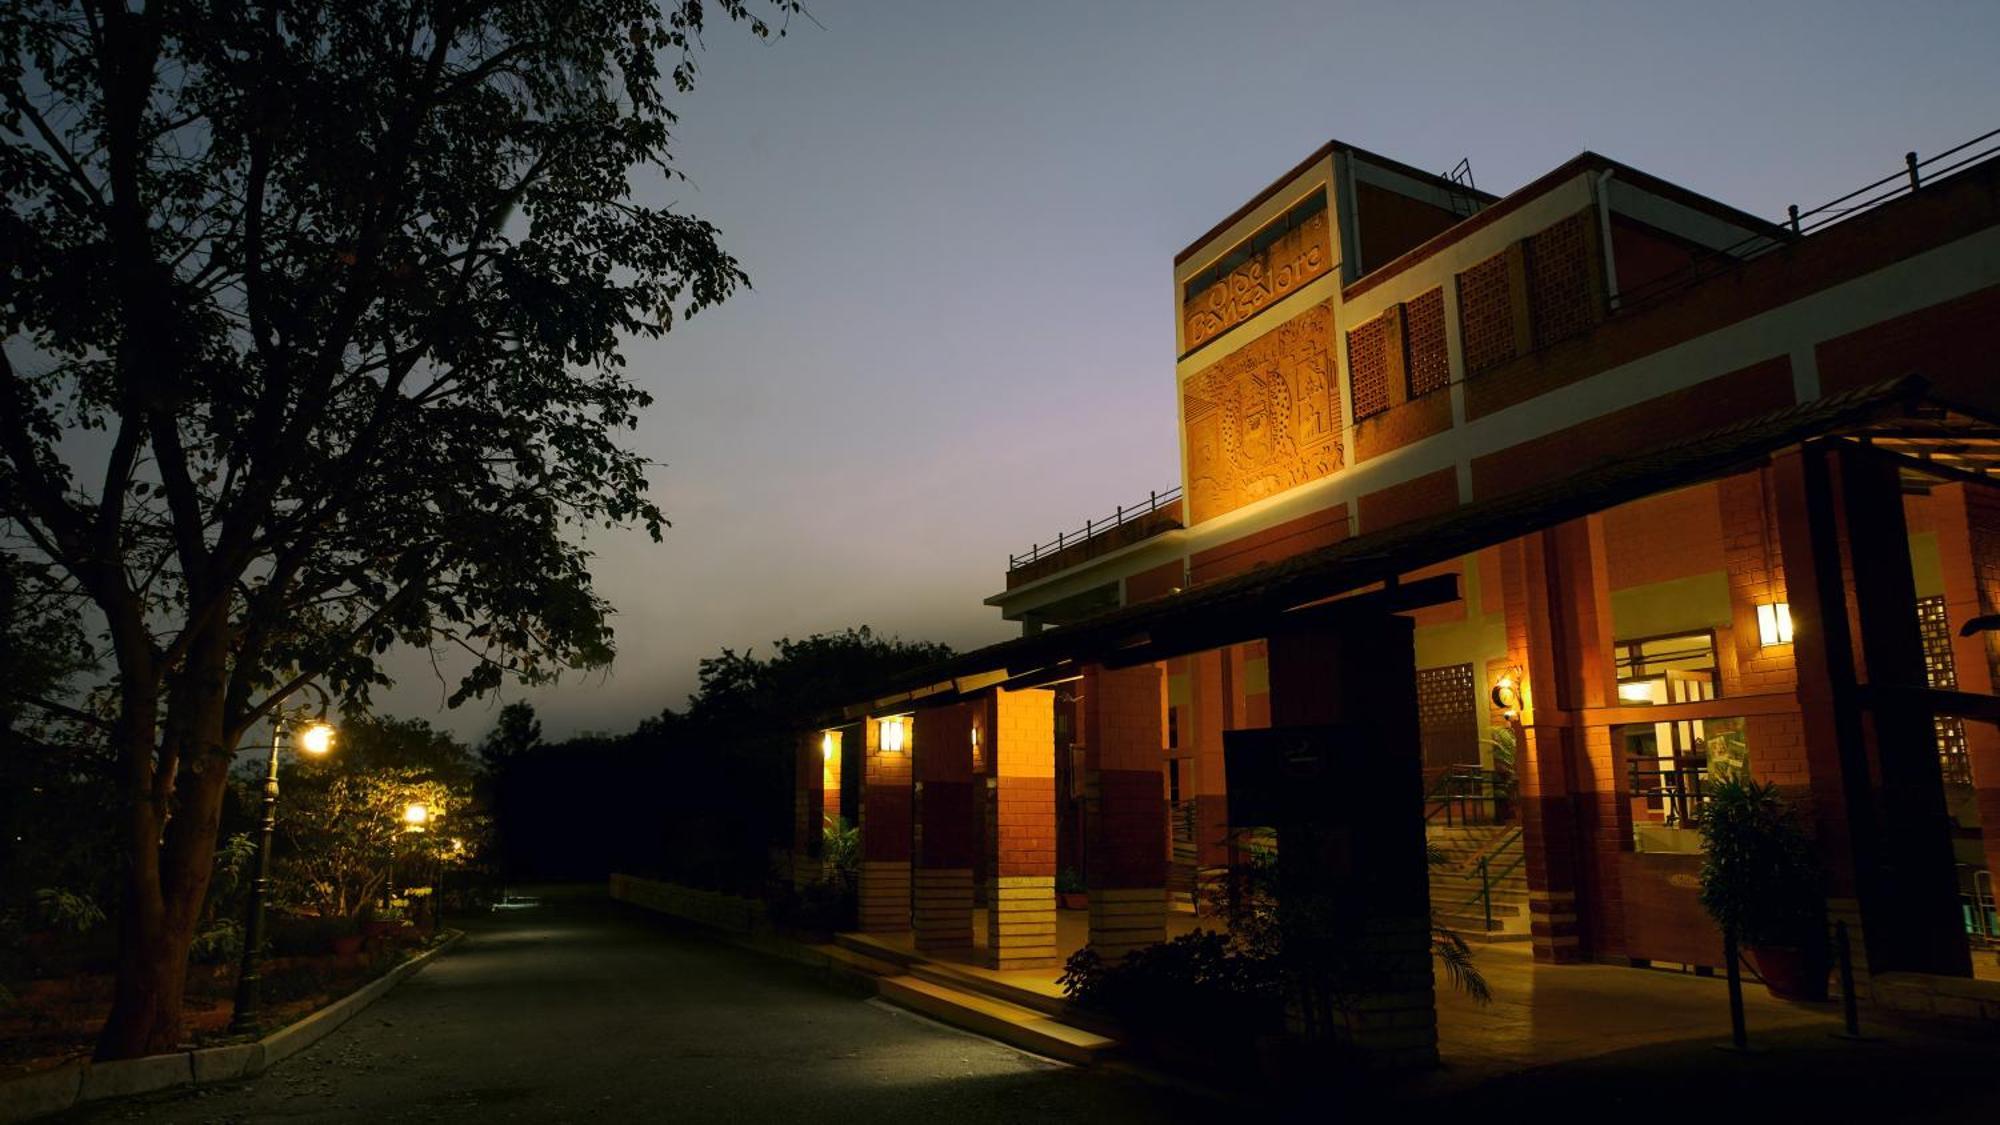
x=1601, y=480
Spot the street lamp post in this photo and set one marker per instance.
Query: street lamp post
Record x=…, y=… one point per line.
x=316, y=738
x=416, y=820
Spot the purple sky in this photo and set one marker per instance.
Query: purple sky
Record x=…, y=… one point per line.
x=961, y=218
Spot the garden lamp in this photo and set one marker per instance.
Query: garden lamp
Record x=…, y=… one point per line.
x=313, y=735
x=317, y=738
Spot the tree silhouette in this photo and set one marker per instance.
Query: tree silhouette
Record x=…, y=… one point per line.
x=312, y=345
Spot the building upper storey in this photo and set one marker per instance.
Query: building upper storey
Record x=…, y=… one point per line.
x=1365, y=343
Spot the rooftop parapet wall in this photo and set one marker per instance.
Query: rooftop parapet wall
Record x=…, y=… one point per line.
x=1118, y=534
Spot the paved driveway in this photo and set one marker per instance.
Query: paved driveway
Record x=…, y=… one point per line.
x=577, y=1011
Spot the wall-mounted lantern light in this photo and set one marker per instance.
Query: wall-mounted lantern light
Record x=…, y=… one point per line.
x=1506, y=695
x=826, y=746
x=1774, y=623
x=892, y=735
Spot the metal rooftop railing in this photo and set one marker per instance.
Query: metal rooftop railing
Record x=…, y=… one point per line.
x=1092, y=528
x=1909, y=178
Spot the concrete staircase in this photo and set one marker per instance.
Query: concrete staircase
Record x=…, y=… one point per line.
x=965, y=998
x=1455, y=884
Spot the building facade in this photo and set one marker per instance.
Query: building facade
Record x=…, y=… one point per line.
x=1600, y=490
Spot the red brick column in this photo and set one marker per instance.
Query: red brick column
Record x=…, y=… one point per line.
x=947, y=829
x=830, y=776
x=808, y=806
x=1921, y=880
x=1969, y=543
x=1569, y=801
x=886, y=814
x=1892, y=880
x=1810, y=543
x=1754, y=563
x=1203, y=734
x=1125, y=809
x=1018, y=727
x=1363, y=679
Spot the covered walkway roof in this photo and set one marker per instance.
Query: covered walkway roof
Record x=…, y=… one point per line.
x=1305, y=590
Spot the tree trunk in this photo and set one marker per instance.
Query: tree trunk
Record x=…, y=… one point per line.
x=166, y=873
x=152, y=976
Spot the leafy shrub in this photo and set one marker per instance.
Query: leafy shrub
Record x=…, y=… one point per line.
x=235, y=868
x=840, y=845
x=218, y=945
x=823, y=906
x=66, y=913
x=299, y=936
x=1760, y=877
x=1199, y=980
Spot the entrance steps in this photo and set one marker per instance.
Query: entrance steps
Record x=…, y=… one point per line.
x=985, y=1004
x=1457, y=902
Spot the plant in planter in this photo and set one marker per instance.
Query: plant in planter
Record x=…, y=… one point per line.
x=1198, y=998
x=1506, y=779
x=840, y=846
x=1071, y=892
x=1763, y=884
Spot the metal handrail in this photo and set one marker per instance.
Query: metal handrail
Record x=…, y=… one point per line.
x=1458, y=788
x=1910, y=178
x=1679, y=780
x=1093, y=528
x=1484, y=895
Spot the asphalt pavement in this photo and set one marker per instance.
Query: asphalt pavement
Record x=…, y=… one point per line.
x=579, y=1010
x=582, y=1010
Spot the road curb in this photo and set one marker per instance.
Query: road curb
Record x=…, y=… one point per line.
x=53, y=1091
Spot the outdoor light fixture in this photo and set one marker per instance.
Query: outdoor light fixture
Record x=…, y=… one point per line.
x=310, y=732
x=892, y=735
x=826, y=746
x=1506, y=695
x=415, y=816
x=316, y=738
x=1774, y=623
x=1636, y=691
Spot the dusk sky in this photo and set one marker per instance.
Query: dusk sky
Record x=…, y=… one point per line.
x=960, y=220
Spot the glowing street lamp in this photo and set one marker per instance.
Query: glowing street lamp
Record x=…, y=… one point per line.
x=316, y=739
x=314, y=736
x=415, y=816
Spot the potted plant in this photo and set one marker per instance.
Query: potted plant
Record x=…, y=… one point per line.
x=1762, y=883
x=1071, y=894
x=1505, y=781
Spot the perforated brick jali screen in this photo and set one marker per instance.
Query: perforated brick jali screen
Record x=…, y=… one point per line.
x=1368, y=367
x=1485, y=315
x=1559, y=291
x=1941, y=670
x=1423, y=328
x=1447, y=715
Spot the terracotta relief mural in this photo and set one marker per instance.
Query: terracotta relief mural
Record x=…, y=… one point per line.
x=1292, y=259
x=1264, y=418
